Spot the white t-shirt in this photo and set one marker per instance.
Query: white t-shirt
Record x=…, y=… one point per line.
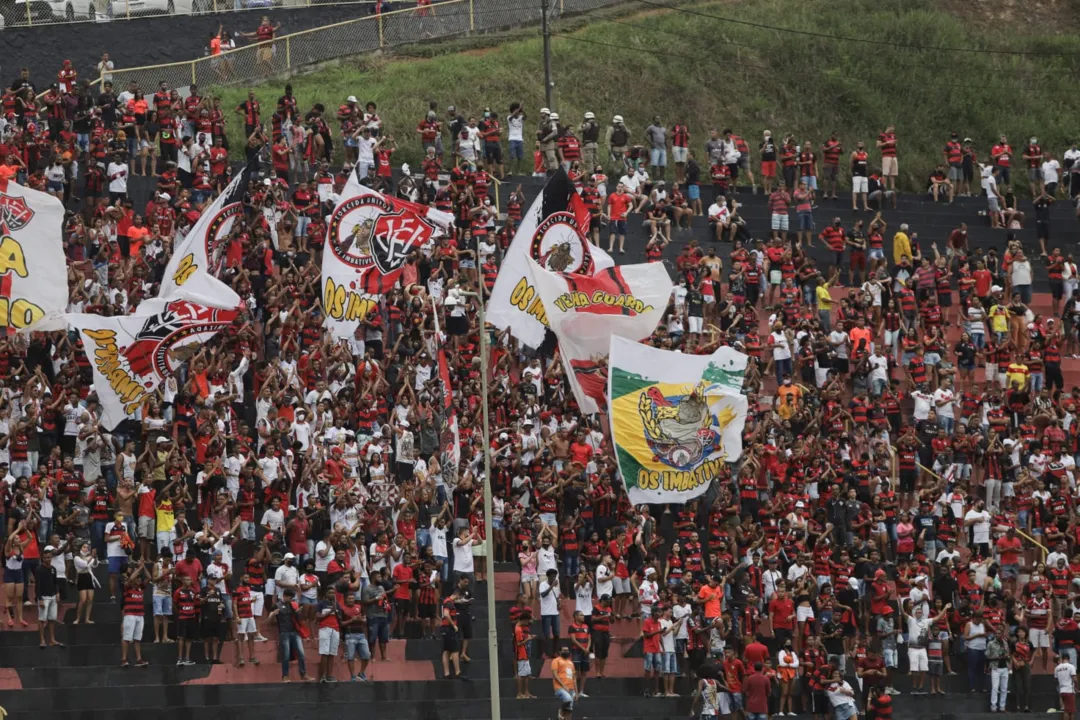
x=667, y=640
x=1050, y=171
x=879, y=367
x=515, y=128
x=583, y=599
x=545, y=560
x=781, y=350
x=1065, y=674
x=463, y=559
x=112, y=548
x=274, y=519
x=549, y=604
x=718, y=213
x=438, y=541
x=604, y=583
x=365, y=152
x=981, y=529
x=922, y=404
x=118, y=177
x=946, y=410
x=321, y=563
x=677, y=612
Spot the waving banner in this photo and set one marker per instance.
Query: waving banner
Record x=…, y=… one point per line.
x=674, y=420
x=585, y=311
x=369, y=238
x=132, y=355
x=33, y=269
x=199, y=259
x=553, y=233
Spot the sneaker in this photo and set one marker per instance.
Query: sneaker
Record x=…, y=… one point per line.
x=581, y=695
x=189, y=662
x=362, y=677
x=179, y=663
x=260, y=638
x=330, y=679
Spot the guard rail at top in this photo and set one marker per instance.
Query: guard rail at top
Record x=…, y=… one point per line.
x=256, y=62
x=34, y=13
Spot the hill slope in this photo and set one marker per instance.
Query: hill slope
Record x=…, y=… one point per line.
x=717, y=64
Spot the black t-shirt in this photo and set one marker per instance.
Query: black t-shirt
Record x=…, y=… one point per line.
x=695, y=303
x=1042, y=209
x=46, y=581
x=212, y=609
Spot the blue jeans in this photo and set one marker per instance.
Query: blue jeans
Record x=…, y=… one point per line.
x=947, y=423
x=976, y=669
x=378, y=630
x=783, y=367
x=97, y=536
x=658, y=157
x=978, y=340
x=287, y=643
x=444, y=568
x=1037, y=381
x=571, y=563
x=517, y=149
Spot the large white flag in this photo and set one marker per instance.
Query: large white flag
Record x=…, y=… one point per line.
x=553, y=233
x=449, y=433
x=131, y=355
x=198, y=260
x=675, y=421
x=585, y=311
x=369, y=238
x=33, y=269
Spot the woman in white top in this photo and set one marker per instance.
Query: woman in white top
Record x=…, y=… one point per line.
x=85, y=562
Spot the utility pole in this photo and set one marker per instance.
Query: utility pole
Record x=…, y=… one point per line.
x=489, y=536
x=549, y=85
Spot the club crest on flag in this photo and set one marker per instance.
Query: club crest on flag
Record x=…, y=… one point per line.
x=679, y=427
x=559, y=245
x=216, y=235
x=368, y=232
x=15, y=213
x=167, y=340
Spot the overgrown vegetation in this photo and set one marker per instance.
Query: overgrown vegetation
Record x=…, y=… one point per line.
x=700, y=67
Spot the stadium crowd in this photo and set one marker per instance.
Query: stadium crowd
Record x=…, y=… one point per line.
x=906, y=496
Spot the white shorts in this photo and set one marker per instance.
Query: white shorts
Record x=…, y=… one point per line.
x=246, y=626
x=694, y=324
x=146, y=528
x=47, y=608
x=328, y=641
x=165, y=539
x=622, y=586
x=678, y=154
x=917, y=660
x=859, y=184
x=803, y=613
x=133, y=628
x=723, y=703
x=1039, y=638
x=780, y=222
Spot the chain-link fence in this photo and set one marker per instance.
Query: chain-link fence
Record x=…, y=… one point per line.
x=289, y=53
x=32, y=13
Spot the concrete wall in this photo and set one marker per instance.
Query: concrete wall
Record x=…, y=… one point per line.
x=143, y=41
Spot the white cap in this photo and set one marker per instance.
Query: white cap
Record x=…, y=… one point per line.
x=650, y=571
x=1008, y=442
x=165, y=196
x=288, y=556
x=404, y=423
x=162, y=440
x=50, y=548
x=853, y=582
x=590, y=116
x=554, y=116
x=995, y=288
x=545, y=111
x=504, y=436
x=351, y=98
x=617, y=119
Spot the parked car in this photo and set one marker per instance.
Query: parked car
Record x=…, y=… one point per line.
x=43, y=11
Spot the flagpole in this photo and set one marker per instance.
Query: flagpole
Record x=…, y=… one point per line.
x=489, y=542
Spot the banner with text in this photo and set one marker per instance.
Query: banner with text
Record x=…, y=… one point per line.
x=585, y=311
x=33, y=269
x=674, y=420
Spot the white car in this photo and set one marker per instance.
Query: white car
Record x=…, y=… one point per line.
x=104, y=10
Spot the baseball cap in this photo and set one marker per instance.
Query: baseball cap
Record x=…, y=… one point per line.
x=351, y=98
x=288, y=556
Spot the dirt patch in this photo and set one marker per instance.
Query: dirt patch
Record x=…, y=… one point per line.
x=1041, y=17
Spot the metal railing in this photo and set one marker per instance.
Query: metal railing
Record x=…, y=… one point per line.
x=33, y=13
x=288, y=53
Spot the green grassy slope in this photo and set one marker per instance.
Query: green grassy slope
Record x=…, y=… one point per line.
x=701, y=67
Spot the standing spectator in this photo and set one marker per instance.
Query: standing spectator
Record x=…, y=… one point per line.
x=522, y=644
x=757, y=690
x=975, y=635
x=580, y=650
x=886, y=143
x=1065, y=674
x=48, y=595
x=999, y=660
x=290, y=643
x=329, y=634
x=562, y=675
x=550, y=594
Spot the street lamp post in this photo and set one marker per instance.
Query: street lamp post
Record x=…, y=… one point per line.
x=489, y=542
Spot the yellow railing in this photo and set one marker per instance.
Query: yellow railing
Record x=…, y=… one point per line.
x=256, y=63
